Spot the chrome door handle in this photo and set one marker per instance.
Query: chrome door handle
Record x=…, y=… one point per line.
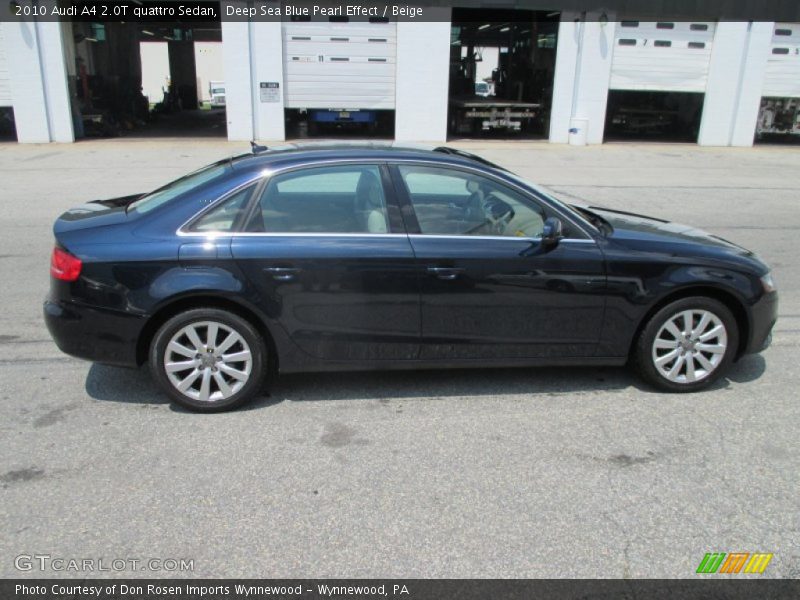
x=445, y=273
x=282, y=273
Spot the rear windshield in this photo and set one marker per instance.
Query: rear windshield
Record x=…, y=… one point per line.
x=179, y=186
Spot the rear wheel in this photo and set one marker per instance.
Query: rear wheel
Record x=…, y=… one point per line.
x=208, y=360
x=687, y=345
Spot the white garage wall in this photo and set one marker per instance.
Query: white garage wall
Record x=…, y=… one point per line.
x=5, y=79
x=423, y=72
x=580, y=85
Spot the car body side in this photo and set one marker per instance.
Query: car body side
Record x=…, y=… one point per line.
x=138, y=271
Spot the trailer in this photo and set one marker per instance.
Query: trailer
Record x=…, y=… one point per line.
x=474, y=114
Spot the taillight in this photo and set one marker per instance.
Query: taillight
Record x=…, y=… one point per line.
x=64, y=266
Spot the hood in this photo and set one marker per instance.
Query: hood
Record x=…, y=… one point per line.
x=632, y=226
x=97, y=213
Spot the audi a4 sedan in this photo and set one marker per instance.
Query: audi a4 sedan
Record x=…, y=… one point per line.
x=370, y=256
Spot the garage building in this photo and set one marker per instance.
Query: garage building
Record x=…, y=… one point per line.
x=561, y=76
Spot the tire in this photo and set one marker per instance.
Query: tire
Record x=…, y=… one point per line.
x=222, y=375
x=671, y=362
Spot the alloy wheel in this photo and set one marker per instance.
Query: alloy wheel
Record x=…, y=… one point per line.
x=208, y=361
x=690, y=346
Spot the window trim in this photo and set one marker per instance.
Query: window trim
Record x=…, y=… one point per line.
x=410, y=216
x=396, y=202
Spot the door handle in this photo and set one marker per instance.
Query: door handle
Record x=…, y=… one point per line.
x=446, y=273
x=282, y=273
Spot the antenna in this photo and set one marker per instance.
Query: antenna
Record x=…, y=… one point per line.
x=256, y=149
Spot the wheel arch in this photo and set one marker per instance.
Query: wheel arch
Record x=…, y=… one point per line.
x=179, y=305
x=729, y=299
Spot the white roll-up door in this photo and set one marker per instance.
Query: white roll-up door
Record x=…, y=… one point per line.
x=5, y=78
x=339, y=65
x=668, y=56
x=782, y=78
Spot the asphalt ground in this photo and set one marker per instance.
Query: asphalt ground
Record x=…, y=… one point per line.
x=580, y=472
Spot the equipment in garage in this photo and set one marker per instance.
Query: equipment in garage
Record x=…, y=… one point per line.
x=779, y=114
x=502, y=64
x=659, y=72
x=340, y=74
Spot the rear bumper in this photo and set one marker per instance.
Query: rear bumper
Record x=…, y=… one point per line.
x=763, y=315
x=95, y=334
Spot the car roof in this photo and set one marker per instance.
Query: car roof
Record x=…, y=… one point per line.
x=305, y=152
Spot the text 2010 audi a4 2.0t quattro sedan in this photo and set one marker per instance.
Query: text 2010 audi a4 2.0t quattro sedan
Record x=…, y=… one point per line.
x=380, y=257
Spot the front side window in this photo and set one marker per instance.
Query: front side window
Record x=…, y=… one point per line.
x=451, y=202
x=339, y=199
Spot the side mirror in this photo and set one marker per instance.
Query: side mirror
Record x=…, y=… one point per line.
x=552, y=232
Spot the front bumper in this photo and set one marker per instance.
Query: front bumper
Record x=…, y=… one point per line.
x=763, y=315
x=95, y=334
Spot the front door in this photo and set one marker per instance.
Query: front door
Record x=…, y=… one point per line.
x=490, y=289
x=329, y=260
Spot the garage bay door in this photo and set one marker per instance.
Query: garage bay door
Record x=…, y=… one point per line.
x=5, y=81
x=661, y=56
x=340, y=64
x=782, y=79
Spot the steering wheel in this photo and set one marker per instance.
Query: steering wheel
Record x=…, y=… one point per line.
x=499, y=213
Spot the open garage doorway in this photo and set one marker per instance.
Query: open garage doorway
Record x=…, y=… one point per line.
x=502, y=65
x=147, y=79
x=8, y=129
x=653, y=116
x=659, y=73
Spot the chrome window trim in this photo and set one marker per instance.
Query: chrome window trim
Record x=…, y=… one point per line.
x=582, y=224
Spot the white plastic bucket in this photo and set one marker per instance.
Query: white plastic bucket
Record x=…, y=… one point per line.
x=577, y=132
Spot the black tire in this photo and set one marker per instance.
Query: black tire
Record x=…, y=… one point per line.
x=643, y=350
x=227, y=320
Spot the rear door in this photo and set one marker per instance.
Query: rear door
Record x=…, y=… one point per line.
x=327, y=254
x=489, y=288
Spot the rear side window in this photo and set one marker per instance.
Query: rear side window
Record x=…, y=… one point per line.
x=227, y=215
x=180, y=186
x=339, y=199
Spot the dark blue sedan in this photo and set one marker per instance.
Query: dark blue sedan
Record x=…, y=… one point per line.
x=379, y=257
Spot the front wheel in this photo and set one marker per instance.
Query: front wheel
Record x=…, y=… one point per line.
x=687, y=345
x=208, y=360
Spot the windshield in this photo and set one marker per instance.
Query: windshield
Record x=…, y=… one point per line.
x=176, y=188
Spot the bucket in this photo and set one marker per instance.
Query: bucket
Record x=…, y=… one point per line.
x=577, y=132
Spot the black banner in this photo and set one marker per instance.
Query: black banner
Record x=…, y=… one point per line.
x=396, y=589
x=189, y=11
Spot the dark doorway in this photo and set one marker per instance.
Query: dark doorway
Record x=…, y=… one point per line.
x=502, y=64
x=653, y=116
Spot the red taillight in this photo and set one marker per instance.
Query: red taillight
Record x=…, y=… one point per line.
x=64, y=266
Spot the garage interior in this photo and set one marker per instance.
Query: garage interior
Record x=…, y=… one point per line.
x=502, y=65
x=8, y=130
x=653, y=116
x=143, y=79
